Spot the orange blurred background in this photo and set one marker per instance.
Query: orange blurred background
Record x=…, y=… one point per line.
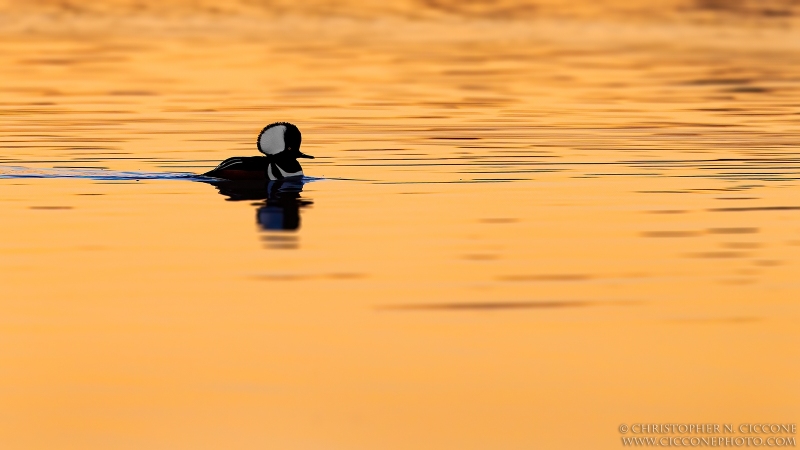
x=536, y=220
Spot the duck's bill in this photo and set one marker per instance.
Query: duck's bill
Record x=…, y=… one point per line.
x=303, y=155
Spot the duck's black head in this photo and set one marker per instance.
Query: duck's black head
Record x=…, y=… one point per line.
x=281, y=137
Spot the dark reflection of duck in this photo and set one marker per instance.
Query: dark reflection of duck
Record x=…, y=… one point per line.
x=282, y=201
x=280, y=144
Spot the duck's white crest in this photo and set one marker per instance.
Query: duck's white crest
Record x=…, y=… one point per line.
x=271, y=140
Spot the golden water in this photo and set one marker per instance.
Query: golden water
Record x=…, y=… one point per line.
x=526, y=232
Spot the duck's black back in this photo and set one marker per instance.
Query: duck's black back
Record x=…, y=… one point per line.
x=257, y=167
x=246, y=163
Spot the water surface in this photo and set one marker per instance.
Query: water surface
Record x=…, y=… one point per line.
x=519, y=234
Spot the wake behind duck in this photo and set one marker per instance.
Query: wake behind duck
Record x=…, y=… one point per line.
x=279, y=142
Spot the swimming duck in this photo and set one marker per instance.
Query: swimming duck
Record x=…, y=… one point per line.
x=280, y=143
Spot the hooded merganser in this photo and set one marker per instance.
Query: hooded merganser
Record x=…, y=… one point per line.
x=280, y=143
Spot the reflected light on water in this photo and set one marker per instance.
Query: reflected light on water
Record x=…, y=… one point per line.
x=527, y=222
